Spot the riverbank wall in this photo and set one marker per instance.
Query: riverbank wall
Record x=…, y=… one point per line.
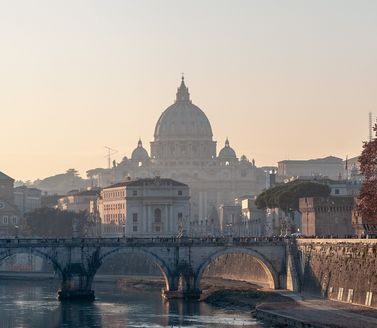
x=339, y=269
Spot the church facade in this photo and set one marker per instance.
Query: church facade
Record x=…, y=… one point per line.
x=183, y=149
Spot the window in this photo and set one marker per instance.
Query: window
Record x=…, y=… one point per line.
x=14, y=220
x=157, y=215
x=180, y=215
x=180, y=193
x=134, y=217
x=134, y=192
x=5, y=219
x=134, y=229
x=157, y=228
x=336, y=192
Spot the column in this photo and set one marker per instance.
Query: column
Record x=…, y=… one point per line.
x=145, y=221
x=128, y=223
x=200, y=206
x=166, y=222
x=172, y=220
x=205, y=205
x=150, y=219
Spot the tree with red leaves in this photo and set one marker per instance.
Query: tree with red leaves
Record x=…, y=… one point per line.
x=367, y=200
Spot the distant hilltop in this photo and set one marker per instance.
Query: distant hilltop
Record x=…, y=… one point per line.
x=59, y=184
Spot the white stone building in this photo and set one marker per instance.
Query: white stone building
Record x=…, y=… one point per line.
x=253, y=219
x=157, y=207
x=78, y=201
x=112, y=210
x=330, y=167
x=27, y=199
x=183, y=149
x=147, y=207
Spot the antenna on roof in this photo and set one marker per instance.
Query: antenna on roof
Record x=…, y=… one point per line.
x=110, y=152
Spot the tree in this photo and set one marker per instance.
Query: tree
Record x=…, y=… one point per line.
x=73, y=172
x=50, y=222
x=367, y=199
x=286, y=196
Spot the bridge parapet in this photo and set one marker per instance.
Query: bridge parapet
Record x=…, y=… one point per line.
x=139, y=242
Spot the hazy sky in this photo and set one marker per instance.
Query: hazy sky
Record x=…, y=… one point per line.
x=281, y=79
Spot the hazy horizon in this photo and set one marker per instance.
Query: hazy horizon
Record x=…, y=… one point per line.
x=292, y=80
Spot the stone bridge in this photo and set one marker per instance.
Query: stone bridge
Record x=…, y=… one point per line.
x=181, y=261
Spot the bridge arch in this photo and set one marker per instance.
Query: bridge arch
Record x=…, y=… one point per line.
x=273, y=279
x=166, y=273
x=34, y=251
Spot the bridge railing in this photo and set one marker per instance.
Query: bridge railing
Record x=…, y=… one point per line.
x=152, y=241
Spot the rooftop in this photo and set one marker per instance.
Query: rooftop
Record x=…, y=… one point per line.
x=88, y=192
x=331, y=159
x=3, y=176
x=157, y=181
x=21, y=188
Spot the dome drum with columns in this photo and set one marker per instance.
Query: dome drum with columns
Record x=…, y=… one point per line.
x=183, y=149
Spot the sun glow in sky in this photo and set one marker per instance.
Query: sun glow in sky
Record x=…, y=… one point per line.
x=281, y=79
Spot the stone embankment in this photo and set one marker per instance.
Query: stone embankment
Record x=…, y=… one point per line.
x=317, y=313
x=339, y=269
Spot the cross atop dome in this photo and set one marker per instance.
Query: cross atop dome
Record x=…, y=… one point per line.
x=183, y=94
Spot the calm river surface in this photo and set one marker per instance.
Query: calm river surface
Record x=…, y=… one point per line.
x=33, y=304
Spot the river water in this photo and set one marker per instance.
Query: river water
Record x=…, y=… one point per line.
x=33, y=304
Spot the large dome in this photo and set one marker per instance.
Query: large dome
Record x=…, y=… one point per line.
x=183, y=120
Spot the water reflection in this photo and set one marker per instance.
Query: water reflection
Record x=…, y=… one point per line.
x=25, y=304
x=82, y=315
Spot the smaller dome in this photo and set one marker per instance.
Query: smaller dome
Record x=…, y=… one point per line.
x=227, y=152
x=139, y=154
